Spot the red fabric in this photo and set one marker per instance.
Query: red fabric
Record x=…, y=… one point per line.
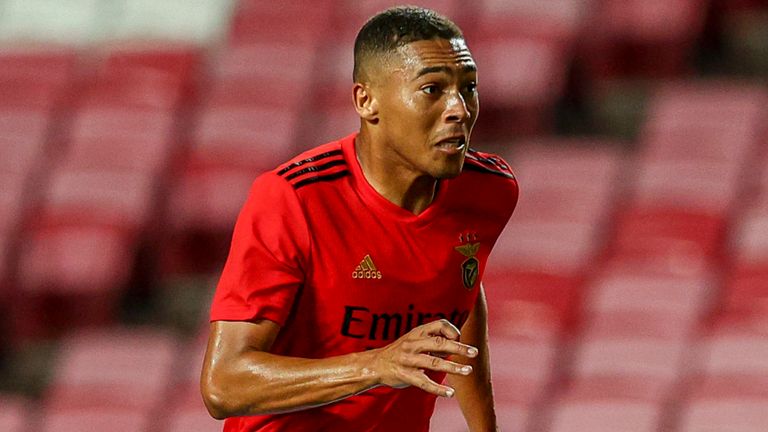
x=296, y=251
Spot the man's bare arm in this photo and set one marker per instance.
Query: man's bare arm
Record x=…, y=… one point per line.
x=241, y=377
x=474, y=392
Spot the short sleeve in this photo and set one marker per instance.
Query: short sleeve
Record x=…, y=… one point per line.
x=267, y=256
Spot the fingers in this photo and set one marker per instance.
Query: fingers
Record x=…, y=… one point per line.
x=421, y=380
x=441, y=327
x=423, y=361
x=438, y=345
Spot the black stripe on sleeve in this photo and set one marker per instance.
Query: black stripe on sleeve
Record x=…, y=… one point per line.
x=315, y=168
x=309, y=160
x=482, y=169
x=329, y=177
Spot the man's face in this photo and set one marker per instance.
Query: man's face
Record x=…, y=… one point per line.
x=427, y=106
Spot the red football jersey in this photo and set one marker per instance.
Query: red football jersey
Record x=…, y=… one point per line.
x=317, y=250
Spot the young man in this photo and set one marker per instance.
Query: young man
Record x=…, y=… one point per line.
x=353, y=266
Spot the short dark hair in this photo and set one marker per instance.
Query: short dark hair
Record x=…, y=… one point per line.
x=398, y=26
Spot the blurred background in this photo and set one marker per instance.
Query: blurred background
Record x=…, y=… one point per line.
x=628, y=293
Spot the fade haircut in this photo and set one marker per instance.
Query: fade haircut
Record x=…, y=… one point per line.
x=387, y=31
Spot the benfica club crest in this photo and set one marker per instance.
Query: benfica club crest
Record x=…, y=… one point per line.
x=470, y=268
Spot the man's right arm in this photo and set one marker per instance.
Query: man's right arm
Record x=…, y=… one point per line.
x=240, y=376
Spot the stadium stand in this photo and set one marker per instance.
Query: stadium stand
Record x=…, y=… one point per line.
x=628, y=292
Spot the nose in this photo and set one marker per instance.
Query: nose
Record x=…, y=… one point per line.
x=456, y=110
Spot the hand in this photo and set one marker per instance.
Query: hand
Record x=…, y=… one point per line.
x=402, y=363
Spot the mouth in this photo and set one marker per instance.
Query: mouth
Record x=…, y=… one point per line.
x=452, y=145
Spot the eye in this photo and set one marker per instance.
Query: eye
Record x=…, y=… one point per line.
x=471, y=88
x=430, y=89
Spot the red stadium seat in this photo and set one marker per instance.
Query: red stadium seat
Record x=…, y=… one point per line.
x=205, y=204
x=675, y=239
x=12, y=203
x=526, y=77
x=175, y=61
x=642, y=38
x=49, y=63
x=69, y=277
x=746, y=295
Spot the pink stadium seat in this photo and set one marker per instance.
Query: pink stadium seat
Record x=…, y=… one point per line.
x=750, y=242
x=653, y=359
x=254, y=137
x=151, y=92
x=111, y=419
x=82, y=197
x=449, y=418
x=559, y=19
x=256, y=21
x=287, y=62
x=743, y=415
x=621, y=387
x=117, y=369
x=121, y=123
x=732, y=350
x=522, y=367
x=194, y=420
x=14, y=414
x=560, y=246
x=623, y=289
x=638, y=323
x=23, y=135
x=608, y=415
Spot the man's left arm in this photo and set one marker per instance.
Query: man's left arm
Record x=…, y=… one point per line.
x=474, y=391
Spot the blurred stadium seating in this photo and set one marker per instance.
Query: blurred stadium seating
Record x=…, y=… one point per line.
x=629, y=291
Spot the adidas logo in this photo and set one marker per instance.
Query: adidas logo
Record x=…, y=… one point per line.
x=366, y=270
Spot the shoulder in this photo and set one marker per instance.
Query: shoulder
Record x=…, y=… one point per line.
x=487, y=163
x=489, y=172
x=324, y=163
x=489, y=182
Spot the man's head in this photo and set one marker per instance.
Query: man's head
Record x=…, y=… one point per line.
x=415, y=89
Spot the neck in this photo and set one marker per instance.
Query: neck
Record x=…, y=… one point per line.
x=391, y=179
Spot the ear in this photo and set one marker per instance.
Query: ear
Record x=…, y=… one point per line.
x=366, y=104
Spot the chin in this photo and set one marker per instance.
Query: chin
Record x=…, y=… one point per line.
x=448, y=173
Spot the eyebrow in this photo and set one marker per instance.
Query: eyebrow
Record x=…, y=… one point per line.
x=467, y=67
